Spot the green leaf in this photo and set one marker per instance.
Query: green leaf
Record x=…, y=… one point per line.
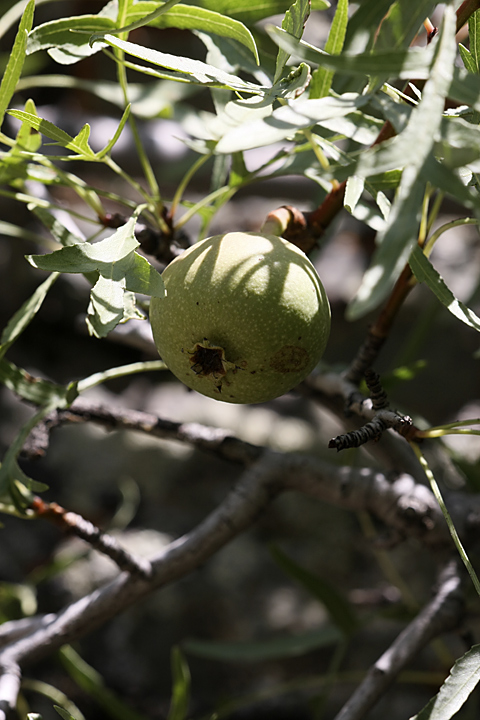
x=467, y=59
x=121, y=271
x=285, y=121
x=92, y=683
x=187, y=17
x=192, y=70
x=293, y=23
x=463, y=679
x=276, y=648
x=180, y=686
x=424, y=271
x=403, y=64
x=474, y=37
x=66, y=39
x=78, y=144
x=363, y=25
x=16, y=60
x=251, y=11
x=465, y=88
x=25, y=315
x=402, y=22
x=416, y=143
x=322, y=78
x=63, y=713
x=33, y=389
x=337, y=606
x=353, y=192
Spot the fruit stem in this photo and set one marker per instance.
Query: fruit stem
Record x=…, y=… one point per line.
x=276, y=222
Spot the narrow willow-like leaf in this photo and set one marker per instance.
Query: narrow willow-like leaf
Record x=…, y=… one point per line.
x=251, y=11
x=194, y=70
x=353, y=192
x=187, y=17
x=25, y=315
x=286, y=121
x=117, y=372
x=63, y=713
x=322, y=78
x=68, y=37
x=474, y=37
x=465, y=88
x=16, y=60
x=424, y=271
x=78, y=144
x=337, y=606
x=293, y=23
x=457, y=688
x=363, y=25
x=404, y=64
x=93, y=684
x=180, y=686
x=111, y=144
x=467, y=59
x=279, y=647
x=397, y=241
x=402, y=22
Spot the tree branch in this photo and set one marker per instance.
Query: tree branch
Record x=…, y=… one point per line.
x=442, y=614
x=221, y=442
x=10, y=678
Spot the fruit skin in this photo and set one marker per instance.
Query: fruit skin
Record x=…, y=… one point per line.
x=245, y=317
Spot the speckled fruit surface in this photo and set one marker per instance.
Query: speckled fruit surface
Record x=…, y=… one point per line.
x=245, y=317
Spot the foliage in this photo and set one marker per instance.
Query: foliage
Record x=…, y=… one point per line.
x=381, y=123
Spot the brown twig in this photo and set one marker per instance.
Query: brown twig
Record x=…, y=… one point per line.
x=465, y=11
x=96, y=538
x=379, y=331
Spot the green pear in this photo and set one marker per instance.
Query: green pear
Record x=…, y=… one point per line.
x=244, y=319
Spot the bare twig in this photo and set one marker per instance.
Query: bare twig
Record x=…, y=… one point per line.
x=98, y=539
x=221, y=442
x=442, y=614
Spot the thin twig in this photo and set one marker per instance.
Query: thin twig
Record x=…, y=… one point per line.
x=96, y=538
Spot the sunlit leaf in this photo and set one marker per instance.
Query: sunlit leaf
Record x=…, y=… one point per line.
x=193, y=70
x=121, y=271
x=293, y=23
x=417, y=142
x=425, y=272
x=322, y=78
x=457, y=688
x=15, y=61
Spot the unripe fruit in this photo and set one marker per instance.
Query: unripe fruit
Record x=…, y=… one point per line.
x=245, y=317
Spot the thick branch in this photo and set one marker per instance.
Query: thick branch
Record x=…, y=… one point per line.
x=238, y=511
x=442, y=614
x=408, y=507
